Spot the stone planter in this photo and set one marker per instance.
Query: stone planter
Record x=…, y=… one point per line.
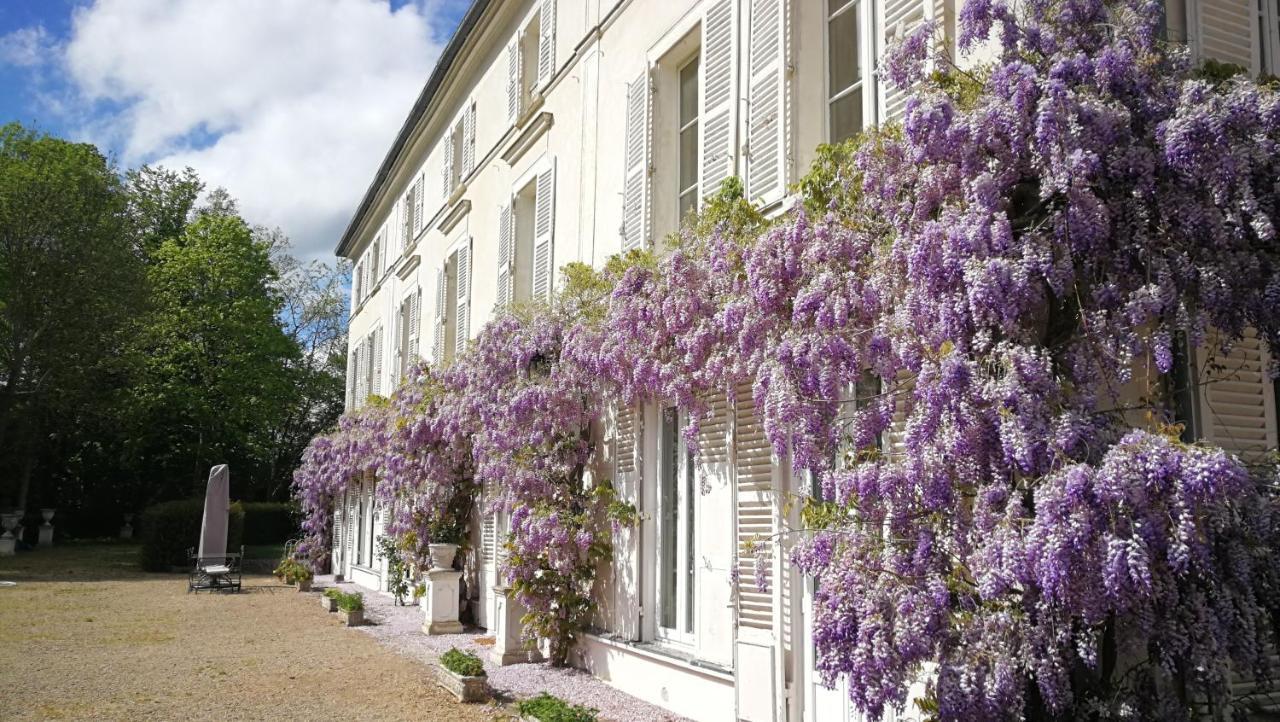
x=466, y=689
x=442, y=555
x=329, y=604
x=352, y=619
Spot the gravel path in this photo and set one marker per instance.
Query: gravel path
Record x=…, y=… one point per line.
x=400, y=628
x=85, y=635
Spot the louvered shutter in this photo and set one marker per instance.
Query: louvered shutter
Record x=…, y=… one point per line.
x=462, y=301
x=441, y=309
x=418, y=204
x=351, y=376
x=1222, y=31
x=768, y=126
x=627, y=438
x=506, y=255
x=446, y=170
x=753, y=474
x=1238, y=401
x=469, y=141
x=717, y=121
x=377, y=362
x=546, y=42
x=903, y=394
x=635, y=190
x=544, y=233
x=361, y=391
x=401, y=361
x=513, y=81
x=896, y=19
x=415, y=325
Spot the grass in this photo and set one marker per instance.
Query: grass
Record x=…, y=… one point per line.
x=94, y=637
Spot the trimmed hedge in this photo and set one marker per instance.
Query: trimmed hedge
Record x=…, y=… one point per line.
x=170, y=528
x=269, y=522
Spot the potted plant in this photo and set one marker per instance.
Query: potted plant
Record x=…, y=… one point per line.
x=549, y=708
x=292, y=571
x=462, y=673
x=329, y=600
x=446, y=535
x=351, y=608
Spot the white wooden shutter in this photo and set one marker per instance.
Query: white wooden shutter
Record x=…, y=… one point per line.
x=635, y=189
x=1239, y=404
x=506, y=255
x=376, y=367
x=446, y=170
x=717, y=121
x=544, y=233
x=351, y=377
x=417, y=207
x=513, y=80
x=441, y=309
x=753, y=474
x=895, y=20
x=546, y=42
x=1224, y=31
x=768, y=126
x=415, y=326
x=462, y=301
x=627, y=438
x=469, y=141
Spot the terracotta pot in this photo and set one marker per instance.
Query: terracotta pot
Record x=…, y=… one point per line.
x=442, y=555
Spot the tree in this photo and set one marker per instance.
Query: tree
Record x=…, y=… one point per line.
x=313, y=315
x=216, y=359
x=70, y=281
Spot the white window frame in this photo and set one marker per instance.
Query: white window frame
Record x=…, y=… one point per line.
x=681, y=127
x=866, y=83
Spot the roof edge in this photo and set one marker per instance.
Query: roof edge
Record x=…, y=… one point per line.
x=448, y=57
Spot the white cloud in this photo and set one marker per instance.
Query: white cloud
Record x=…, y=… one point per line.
x=25, y=47
x=289, y=104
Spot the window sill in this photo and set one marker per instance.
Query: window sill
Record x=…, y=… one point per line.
x=665, y=654
x=454, y=216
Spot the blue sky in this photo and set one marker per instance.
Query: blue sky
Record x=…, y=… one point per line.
x=289, y=104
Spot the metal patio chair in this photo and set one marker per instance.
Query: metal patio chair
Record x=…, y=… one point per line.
x=217, y=573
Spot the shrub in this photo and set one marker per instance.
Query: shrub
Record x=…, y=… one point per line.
x=169, y=529
x=352, y=602
x=462, y=663
x=334, y=593
x=549, y=708
x=292, y=571
x=269, y=522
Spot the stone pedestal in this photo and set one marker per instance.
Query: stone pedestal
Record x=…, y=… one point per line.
x=508, y=648
x=7, y=546
x=126, y=531
x=440, y=602
x=8, y=540
x=46, y=529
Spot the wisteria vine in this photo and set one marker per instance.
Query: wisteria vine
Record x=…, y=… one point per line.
x=967, y=331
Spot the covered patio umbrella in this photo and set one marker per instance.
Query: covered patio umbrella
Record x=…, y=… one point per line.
x=213, y=531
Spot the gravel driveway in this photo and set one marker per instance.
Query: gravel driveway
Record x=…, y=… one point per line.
x=85, y=635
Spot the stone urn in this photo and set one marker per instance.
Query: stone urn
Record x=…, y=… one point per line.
x=442, y=555
x=46, y=529
x=126, y=531
x=8, y=542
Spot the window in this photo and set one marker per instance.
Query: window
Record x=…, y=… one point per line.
x=676, y=525
x=410, y=321
x=1183, y=390
x=453, y=304
x=529, y=40
x=525, y=244
x=1268, y=36
x=688, y=185
x=845, y=82
x=531, y=60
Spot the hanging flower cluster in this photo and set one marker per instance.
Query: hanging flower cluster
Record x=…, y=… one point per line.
x=967, y=332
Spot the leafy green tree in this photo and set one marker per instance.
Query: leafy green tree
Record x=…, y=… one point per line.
x=217, y=377
x=70, y=281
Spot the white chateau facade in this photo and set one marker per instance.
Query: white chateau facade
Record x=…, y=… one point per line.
x=554, y=131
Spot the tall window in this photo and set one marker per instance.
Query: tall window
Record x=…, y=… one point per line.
x=844, y=70
x=676, y=497
x=688, y=199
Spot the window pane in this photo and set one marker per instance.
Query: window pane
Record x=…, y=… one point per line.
x=846, y=116
x=688, y=202
x=688, y=157
x=689, y=92
x=842, y=51
x=834, y=6
x=667, y=572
